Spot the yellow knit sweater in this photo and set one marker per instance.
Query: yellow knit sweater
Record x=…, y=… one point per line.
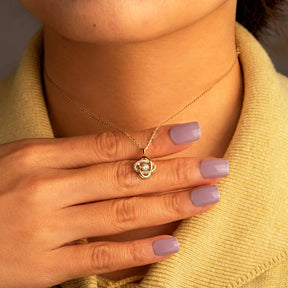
x=243, y=241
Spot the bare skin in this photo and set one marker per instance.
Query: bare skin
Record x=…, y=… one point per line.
x=126, y=59
x=165, y=73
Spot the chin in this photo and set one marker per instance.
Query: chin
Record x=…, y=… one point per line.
x=116, y=30
x=118, y=20
x=109, y=21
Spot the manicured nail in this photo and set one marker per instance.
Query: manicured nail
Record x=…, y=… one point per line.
x=166, y=246
x=214, y=168
x=205, y=195
x=184, y=133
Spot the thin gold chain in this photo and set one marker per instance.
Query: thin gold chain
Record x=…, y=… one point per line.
x=114, y=126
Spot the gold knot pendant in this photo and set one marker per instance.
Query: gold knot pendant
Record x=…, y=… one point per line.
x=144, y=167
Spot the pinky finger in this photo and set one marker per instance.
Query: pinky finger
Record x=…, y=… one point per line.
x=102, y=257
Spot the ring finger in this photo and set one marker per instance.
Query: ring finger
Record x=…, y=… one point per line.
x=120, y=215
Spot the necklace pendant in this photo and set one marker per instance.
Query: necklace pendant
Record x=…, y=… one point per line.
x=144, y=167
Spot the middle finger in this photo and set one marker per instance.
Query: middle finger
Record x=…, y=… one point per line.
x=118, y=179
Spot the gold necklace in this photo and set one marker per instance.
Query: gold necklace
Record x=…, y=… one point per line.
x=144, y=166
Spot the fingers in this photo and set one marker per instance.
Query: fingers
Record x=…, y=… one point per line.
x=102, y=257
x=121, y=215
x=118, y=179
x=106, y=147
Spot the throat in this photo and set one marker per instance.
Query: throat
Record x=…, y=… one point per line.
x=139, y=85
x=70, y=117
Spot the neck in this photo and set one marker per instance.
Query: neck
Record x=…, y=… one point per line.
x=139, y=85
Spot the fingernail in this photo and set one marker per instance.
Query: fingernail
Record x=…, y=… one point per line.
x=166, y=246
x=184, y=133
x=205, y=195
x=213, y=168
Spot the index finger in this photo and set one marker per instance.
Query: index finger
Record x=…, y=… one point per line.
x=82, y=151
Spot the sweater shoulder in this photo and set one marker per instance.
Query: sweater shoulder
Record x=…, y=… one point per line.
x=284, y=82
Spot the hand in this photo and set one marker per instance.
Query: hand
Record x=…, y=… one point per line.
x=56, y=191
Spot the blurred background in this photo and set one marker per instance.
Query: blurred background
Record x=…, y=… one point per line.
x=17, y=26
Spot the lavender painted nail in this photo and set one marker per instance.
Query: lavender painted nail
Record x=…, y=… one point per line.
x=166, y=246
x=214, y=168
x=205, y=195
x=185, y=133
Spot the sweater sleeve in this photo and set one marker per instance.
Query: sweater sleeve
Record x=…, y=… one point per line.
x=276, y=277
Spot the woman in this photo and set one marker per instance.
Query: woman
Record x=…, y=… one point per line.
x=136, y=63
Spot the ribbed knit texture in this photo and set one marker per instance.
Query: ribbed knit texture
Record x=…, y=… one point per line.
x=243, y=241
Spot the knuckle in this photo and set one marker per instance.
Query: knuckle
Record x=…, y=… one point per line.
x=137, y=253
x=26, y=153
x=125, y=213
x=100, y=258
x=36, y=184
x=125, y=177
x=182, y=170
x=32, y=189
x=156, y=146
x=107, y=144
x=173, y=205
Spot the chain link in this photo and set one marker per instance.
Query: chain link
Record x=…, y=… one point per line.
x=107, y=123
